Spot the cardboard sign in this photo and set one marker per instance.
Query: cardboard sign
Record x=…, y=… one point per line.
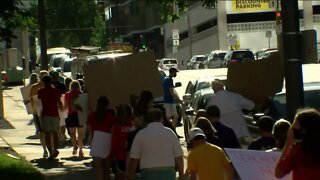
x=25, y=92
x=256, y=80
x=121, y=77
x=255, y=165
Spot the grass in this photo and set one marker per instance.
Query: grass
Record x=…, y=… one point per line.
x=11, y=168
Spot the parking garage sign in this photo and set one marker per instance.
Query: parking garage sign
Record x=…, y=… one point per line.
x=250, y=5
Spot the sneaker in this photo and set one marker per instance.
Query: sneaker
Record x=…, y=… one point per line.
x=75, y=149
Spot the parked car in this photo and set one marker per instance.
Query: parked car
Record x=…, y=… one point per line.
x=276, y=105
x=238, y=56
x=214, y=59
x=167, y=63
x=264, y=53
x=12, y=76
x=78, y=63
x=195, y=61
x=202, y=83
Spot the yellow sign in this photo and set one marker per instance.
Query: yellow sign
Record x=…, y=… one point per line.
x=250, y=5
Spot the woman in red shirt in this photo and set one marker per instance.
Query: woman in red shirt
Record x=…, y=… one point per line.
x=101, y=120
x=72, y=121
x=120, y=130
x=301, y=153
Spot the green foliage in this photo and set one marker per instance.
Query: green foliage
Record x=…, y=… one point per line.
x=99, y=37
x=18, y=169
x=69, y=23
x=167, y=7
x=13, y=16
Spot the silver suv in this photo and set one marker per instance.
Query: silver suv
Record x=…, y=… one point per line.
x=167, y=63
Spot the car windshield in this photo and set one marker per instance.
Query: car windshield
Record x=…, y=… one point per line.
x=312, y=99
x=57, y=62
x=67, y=66
x=200, y=58
x=221, y=55
x=169, y=62
x=239, y=55
x=204, y=85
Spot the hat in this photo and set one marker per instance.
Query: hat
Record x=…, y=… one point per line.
x=173, y=70
x=194, y=132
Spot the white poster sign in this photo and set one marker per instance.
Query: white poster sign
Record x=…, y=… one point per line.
x=25, y=92
x=255, y=165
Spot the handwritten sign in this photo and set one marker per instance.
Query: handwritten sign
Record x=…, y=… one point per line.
x=255, y=165
x=25, y=92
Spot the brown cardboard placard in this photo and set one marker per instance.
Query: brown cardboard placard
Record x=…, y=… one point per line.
x=256, y=80
x=119, y=78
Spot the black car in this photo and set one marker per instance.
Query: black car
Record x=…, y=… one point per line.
x=238, y=56
x=276, y=105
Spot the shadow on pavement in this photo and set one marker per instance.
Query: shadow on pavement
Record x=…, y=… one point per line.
x=47, y=164
x=33, y=137
x=72, y=173
x=75, y=158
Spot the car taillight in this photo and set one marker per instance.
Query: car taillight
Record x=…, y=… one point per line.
x=5, y=77
x=233, y=61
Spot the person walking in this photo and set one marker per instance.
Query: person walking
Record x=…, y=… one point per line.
x=75, y=130
x=279, y=132
x=301, y=151
x=170, y=97
x=36, y=114
x=120, y=130
x=51, y=103
x=61, y=87
x=226, y=134
x=206, y=161
x=211, y=133
x=231, y=105
x=266, y=141
x=158, y=150
x=101, y=120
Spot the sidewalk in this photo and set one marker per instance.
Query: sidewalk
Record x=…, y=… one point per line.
x=17, y=131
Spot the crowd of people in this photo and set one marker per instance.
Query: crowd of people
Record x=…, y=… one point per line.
x=140, y=138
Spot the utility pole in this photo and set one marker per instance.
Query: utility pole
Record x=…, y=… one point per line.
x=291, y=54
x=43, y=39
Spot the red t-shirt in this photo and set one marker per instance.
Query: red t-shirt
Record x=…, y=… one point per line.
x=105, y=125
x=49, y=98
x=119, y=138
x=295, y=163
x=69, y=96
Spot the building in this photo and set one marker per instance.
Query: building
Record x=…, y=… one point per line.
x=232, y=24
x=135, y=22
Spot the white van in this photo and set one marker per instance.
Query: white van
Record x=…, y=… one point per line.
x=79, y=63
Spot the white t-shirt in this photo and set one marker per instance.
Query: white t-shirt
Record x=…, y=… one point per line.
x=156, y=146
x=231, y=105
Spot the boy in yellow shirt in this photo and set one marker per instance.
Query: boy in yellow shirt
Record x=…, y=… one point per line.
x=207, y=161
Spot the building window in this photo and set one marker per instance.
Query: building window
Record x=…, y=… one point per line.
x=207, y=25
x=183, y=35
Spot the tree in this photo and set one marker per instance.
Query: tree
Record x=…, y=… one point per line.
x=69, y=23
x=13, y=15
x=167, y=7
x=99, y=37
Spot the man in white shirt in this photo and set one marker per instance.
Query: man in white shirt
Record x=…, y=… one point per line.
x=231, y=105
x=158, y=150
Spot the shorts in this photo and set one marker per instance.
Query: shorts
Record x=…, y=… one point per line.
x=37, y=122
x=50, y=124
x=171, y=110
x=72, y=121
x=121, y=165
